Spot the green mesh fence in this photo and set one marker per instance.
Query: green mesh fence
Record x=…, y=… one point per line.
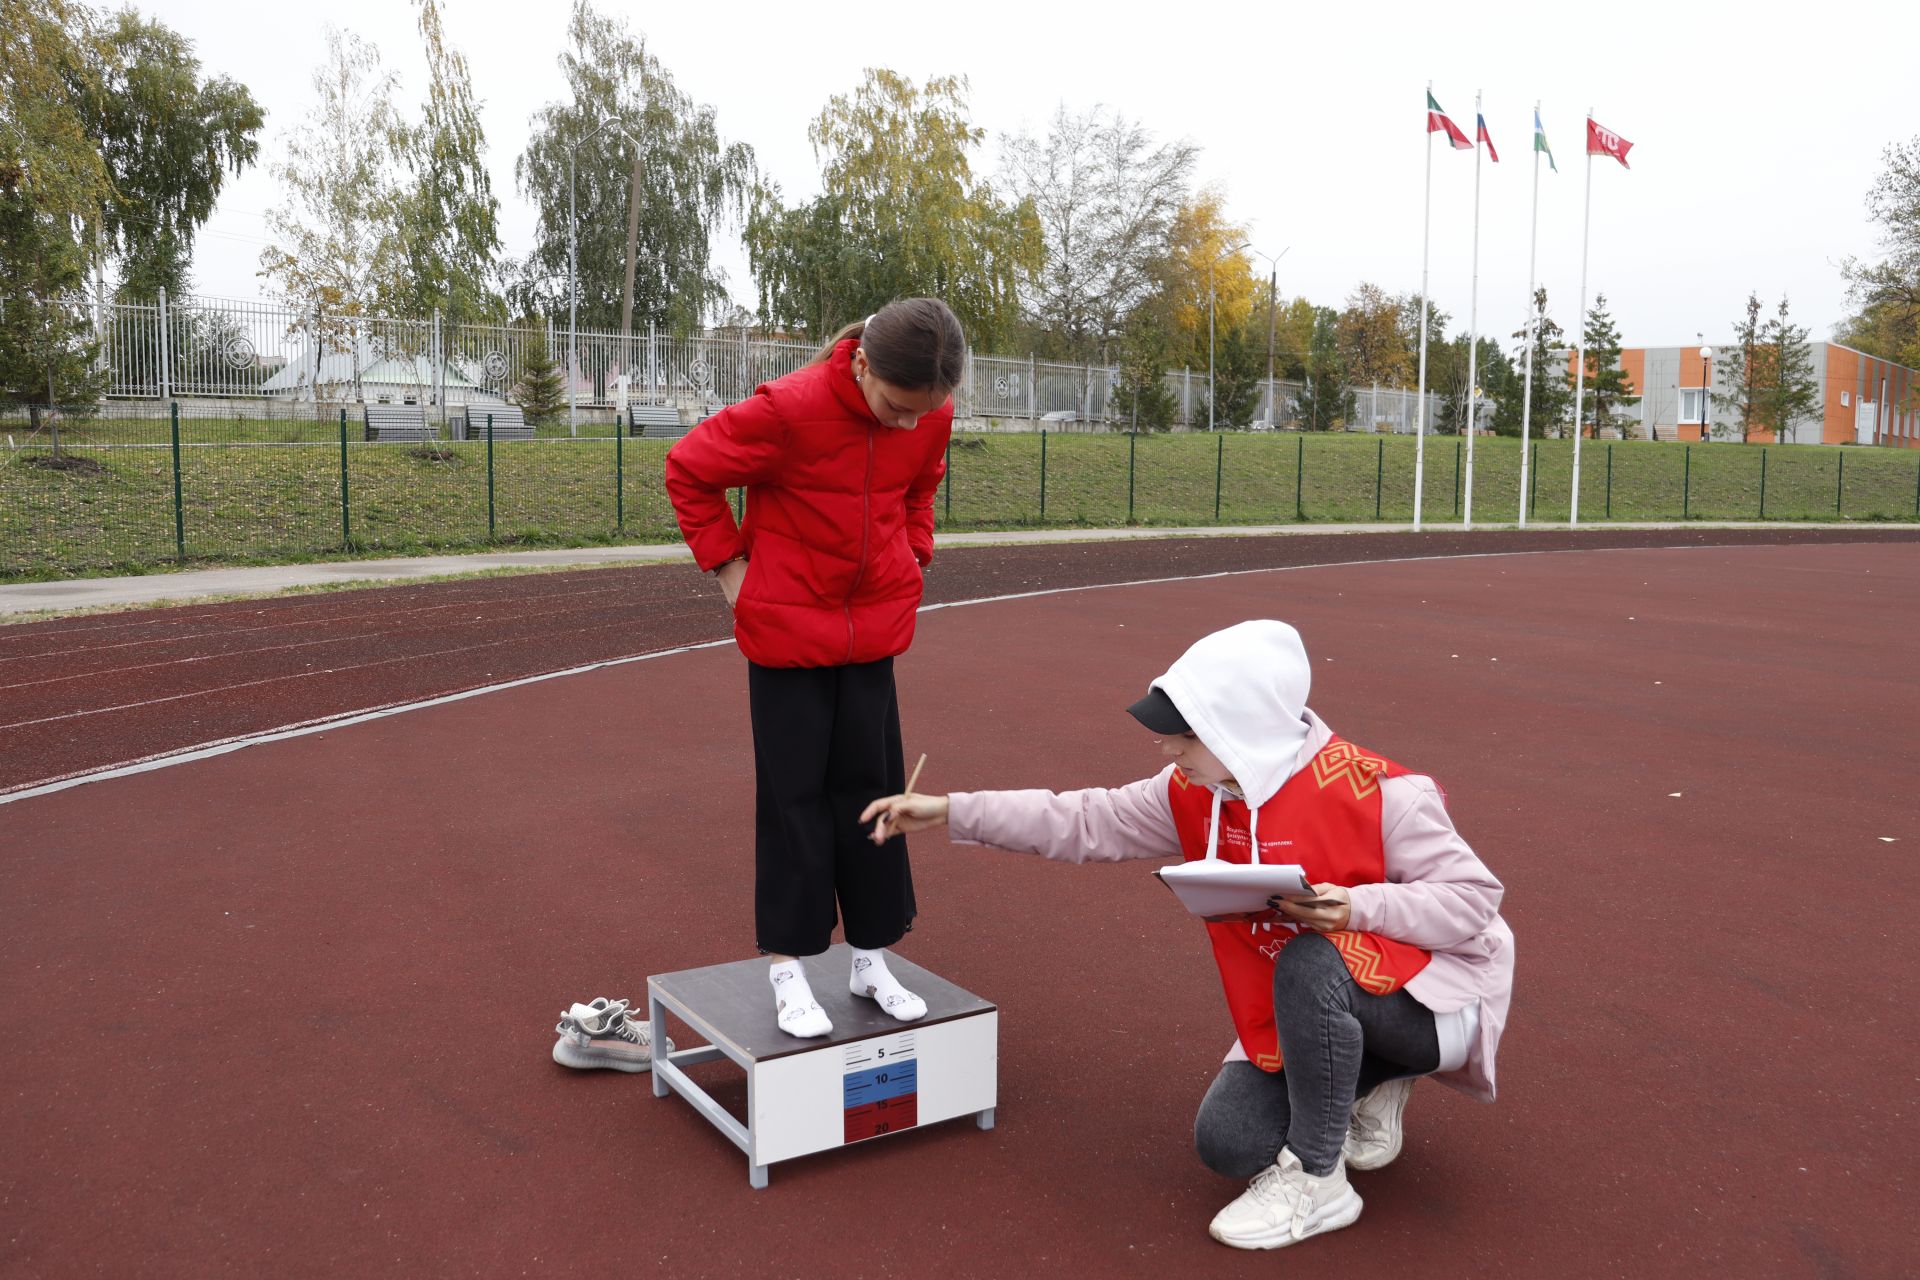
x=127, y=488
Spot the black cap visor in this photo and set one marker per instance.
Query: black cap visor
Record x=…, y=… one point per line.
x=1157, y=712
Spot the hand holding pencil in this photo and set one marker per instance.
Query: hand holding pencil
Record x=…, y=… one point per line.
x=906, y=812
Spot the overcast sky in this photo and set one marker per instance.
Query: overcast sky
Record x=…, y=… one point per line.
x=1756, y=131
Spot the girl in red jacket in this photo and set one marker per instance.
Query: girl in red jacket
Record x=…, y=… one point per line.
x=841, y=461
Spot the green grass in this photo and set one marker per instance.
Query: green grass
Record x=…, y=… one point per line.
x=242, y=502
x=1256, y=479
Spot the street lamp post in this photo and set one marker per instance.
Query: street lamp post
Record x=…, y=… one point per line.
x=1273, y=281
x=1706, y=393
x=1210, y=266
x=573, y=281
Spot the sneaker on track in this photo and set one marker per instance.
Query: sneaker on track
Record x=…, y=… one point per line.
x=602, y=1034
x=1375, y=1133
x=1286, y=1204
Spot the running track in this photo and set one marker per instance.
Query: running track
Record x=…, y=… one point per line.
x=81, y=693
x=288, y=1008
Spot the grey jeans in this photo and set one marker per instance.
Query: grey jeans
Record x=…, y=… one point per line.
x=1337, y=1043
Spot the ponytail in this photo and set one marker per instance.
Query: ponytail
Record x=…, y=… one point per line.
x=854, y=330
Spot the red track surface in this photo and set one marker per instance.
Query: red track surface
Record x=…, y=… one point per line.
x=288, y=1008
x=80, y=693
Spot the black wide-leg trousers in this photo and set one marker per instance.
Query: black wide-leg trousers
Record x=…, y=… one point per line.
x=826, y=743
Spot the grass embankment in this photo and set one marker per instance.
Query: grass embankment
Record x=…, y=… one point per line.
x=246, y=500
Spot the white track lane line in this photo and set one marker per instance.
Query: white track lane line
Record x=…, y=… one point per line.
x=298, y=675
x=166, y=759
x=350, y=637
x=305, y=727
x=275, y=626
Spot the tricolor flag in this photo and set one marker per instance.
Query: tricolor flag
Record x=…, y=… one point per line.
x=1540, y=142
x=1605, y=142
x=1487, y=138
x=1437, y=122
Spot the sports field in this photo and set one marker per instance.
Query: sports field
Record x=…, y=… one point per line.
x=285, y=1006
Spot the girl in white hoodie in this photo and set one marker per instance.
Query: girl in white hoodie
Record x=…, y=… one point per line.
x=1402, y=967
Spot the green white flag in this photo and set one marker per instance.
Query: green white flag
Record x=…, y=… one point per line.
x=1540, y=142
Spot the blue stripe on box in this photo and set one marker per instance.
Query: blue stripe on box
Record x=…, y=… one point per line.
x=894, y=1080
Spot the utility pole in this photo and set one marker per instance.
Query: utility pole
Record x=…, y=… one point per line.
x=633, y=245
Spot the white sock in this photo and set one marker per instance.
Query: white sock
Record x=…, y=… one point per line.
x=872, y=980
x=797, y=1012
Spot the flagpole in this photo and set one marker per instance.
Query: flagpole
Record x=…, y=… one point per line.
x=1580, y=318
x=1473, y=323
x=1526, y=328
x=1420, y=408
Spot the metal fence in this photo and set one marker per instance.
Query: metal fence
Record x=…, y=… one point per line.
x=209, y=348
x=214, y=348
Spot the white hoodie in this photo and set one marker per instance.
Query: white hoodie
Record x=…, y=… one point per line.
x=1244, y=692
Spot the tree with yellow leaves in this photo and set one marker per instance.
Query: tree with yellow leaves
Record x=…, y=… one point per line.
x=1373, y=348
x=1204, y=261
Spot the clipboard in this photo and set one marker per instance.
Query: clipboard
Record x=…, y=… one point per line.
x=1212, y=887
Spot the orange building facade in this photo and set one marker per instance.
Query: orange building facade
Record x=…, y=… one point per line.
x=1863, y=399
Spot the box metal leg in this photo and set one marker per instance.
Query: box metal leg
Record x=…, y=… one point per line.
x=657, y=1027
x=984, y=1118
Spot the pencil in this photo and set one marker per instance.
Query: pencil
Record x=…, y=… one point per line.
x=884, y=823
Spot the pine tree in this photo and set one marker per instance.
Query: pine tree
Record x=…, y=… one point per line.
x=1143, y=400
x=1794, y=395
x=1744, y=370
x=1327, y=403
x=1552, y=391
x=541, y=392
x=1607, y=382
x=1239, y=366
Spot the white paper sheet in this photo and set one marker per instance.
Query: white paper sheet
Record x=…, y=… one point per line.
x=1212, y=887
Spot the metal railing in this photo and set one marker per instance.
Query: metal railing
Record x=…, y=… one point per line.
x=190, y=348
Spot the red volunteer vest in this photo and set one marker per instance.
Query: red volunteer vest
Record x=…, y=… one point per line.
x=1327, y=819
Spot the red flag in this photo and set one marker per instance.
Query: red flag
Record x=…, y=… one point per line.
x=1484, y=136
x=1605, y=142
x=1439, y=122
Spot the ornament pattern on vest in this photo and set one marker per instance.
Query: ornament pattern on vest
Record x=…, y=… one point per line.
x=1342, y=759
x=1364, y=962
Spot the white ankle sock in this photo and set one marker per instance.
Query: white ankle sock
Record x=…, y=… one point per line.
x=797, y=1012
x=872, y=980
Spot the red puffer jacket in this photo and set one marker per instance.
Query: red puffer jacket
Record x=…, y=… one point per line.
x=839, y=515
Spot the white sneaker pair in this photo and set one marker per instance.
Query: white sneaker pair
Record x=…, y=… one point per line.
x=601, y=1034
x=1285, y=1204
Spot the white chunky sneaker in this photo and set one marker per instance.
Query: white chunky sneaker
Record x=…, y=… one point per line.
x=1285, y=1205
x=1375, y=1133
x=600, y=1034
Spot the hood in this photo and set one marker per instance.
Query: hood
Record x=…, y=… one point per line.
x=1244, y=691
